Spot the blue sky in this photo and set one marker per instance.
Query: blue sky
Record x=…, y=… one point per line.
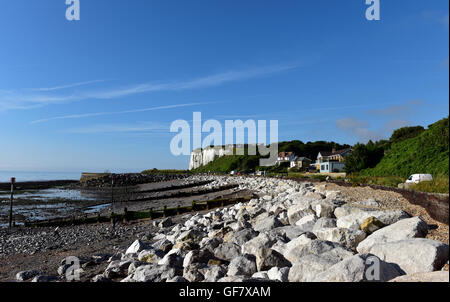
x=100, y=93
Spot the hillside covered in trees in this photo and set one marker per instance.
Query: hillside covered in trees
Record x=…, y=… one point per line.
x=414, y=150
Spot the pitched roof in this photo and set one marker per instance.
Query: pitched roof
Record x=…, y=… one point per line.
x=301, y=158
x=327, y=153
x=285, y=154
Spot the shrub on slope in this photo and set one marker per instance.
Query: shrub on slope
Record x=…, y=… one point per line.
x=425, y=153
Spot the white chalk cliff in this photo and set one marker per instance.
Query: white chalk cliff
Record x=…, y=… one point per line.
x=201, y=157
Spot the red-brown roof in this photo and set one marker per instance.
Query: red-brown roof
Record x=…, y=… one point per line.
x=285, y=154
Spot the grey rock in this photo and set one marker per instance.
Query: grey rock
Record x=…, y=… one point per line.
x=358, y=268
x=267, y=224
x=267, y=258
x=165, y=223
x=242, y=265
x=404, y=229
x=148, y=273
x=210, y=243
x=309, y=266
x=169, y=272
x=307, y=223
x=100, y=278
x=192, y=274
x=136, y=247
x=214, y=272
x=26, y=275
x=416, y=255
x=174, y=258
x=164, y=245
x=439, y=276
x=45, y=278
x=324, y=222
x=324, y=208
x=243, y=236
x=197, y=256
x=349, y=238
x=177, y=279
x=298, y=211
x=236, y=279
x=150, y=256
x=262, y=240
x=117, y=269
x=279, y=274
x=289, y=232
x=260, y=275
x=227, y=251
x=303, y=247
x=355, y=219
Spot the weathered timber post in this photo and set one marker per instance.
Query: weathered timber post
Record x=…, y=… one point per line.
x=112, y=193
x=125, y=215
x=13, y=180
x=113, y=221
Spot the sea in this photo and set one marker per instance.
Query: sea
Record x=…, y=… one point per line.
x=5, y=176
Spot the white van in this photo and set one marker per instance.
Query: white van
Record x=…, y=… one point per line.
x=416, y=178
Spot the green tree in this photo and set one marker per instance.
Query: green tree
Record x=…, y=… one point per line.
x=405, y=133
x=357, y=160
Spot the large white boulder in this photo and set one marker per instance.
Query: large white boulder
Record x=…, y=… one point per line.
x=355, y=219
x=298, y=211
x=295, y=252
x=439, y=276
x=136, y=247
x=242, y=265
x=349, y=238
x=404, y=229
x=416, y=255
x=361, y=267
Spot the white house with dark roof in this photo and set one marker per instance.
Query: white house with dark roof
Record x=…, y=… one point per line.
x=333, y=161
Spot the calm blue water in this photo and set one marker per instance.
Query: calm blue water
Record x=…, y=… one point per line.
x=20, y=176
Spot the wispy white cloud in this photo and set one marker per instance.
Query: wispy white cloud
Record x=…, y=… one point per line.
x=204, y=82
x=24, y=99
x=359, y=129
x=398, y=109
x=436, y=16
x=142, y=127
x=93, y=114
x=395, y=117
x=67, y=86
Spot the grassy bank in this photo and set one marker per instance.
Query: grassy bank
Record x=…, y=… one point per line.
x=440, y=183
x=426, y=153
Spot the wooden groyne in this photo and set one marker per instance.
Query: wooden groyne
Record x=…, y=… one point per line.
x=127, y=216
x=36, y=185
